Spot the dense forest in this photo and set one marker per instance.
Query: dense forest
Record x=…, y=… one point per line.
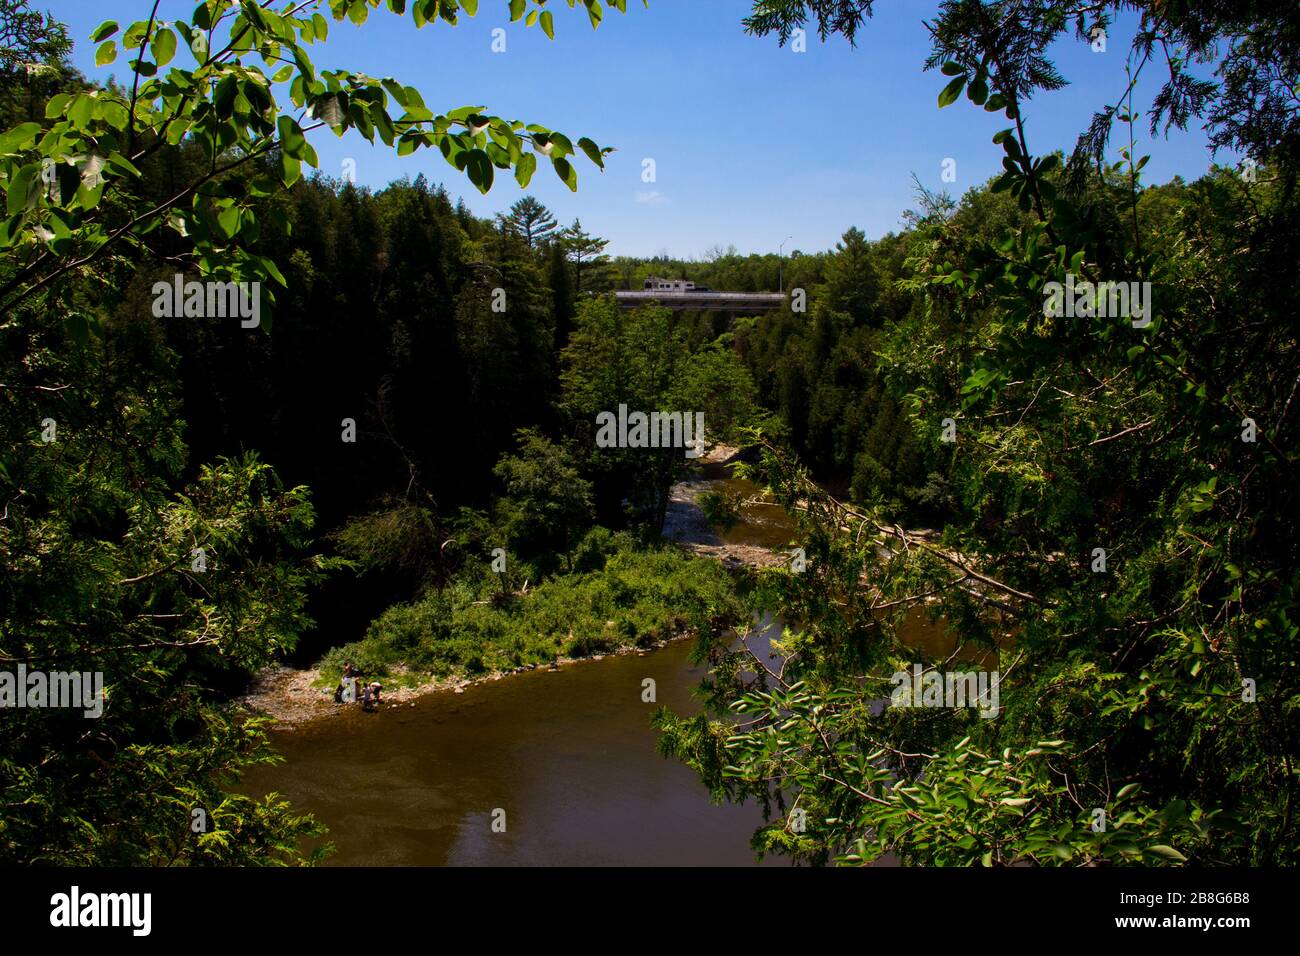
x=398, y=466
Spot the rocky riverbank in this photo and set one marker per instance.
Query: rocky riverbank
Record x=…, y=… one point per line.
x=291, y=696
x=685, y=525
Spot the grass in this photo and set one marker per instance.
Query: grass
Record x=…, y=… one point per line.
x=626, y=595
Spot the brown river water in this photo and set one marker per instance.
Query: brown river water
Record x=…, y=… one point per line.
x=568, y=755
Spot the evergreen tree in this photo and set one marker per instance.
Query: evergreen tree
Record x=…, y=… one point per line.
x=587, y=253
x=532, y=221
x=851, y=282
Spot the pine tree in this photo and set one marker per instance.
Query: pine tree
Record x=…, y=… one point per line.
x=532, y=221
x=587, y=253
x=851, y=278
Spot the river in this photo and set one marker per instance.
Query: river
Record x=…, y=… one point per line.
x=568, y=755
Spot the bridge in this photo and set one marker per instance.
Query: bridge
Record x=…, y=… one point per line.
x=703, y=301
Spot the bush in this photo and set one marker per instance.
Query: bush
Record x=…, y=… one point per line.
x=624, y=595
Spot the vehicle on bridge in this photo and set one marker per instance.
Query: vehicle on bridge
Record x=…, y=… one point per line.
x=682, y=295
x=656, y=284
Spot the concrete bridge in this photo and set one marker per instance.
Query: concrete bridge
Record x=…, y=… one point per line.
x=703, y=301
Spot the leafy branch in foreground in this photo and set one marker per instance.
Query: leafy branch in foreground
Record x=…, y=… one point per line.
x=74, y=188
x=1120, y=540
x=171, y=579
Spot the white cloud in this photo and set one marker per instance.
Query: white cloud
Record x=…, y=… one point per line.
x=652, y=198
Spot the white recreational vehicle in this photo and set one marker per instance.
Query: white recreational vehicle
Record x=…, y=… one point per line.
x=656, y=284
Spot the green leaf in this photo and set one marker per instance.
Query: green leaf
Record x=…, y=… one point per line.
x=470, y=7
x=120, y=164
x=548, y=24
x=114, y=114
x=163, y=46
x=480, y=169
x=104, y=31
x=106, y=53
x=952, y=68
x=592, y=151
x=223, y=97
x=57, y=105
x=82, y=111
x=1168, y=852
x=525, y=168
x=292, y=140
x=20, y=189
x=517, y=9
x=1002, y=182
x=18, y=138
x=951, y=92
x=273, y=270
x=304, y=64
x=290, y=168
x=228, y=219
x=568, y=175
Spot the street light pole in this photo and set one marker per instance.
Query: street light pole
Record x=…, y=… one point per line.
x=780, y=265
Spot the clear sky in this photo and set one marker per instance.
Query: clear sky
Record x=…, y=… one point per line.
x=752, y=143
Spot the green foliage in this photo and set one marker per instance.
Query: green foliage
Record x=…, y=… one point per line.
x=586, y=253
x=821, y=372
x=531, y=221
x=139, y=538
x=1161, y=691
x=721, y=509
x=547, y=501
x=644, y=360
x=400, y=537
x=621, y=595
x=217, y=99
x=30, y=42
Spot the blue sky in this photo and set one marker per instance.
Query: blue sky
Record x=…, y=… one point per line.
x=751, y=142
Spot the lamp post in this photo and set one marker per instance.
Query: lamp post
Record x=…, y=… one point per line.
x=780, y=266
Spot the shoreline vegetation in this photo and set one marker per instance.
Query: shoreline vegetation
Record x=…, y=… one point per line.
x=296, y=696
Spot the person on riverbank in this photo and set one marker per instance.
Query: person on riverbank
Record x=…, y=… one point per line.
x=370, y=700
x=346, y=692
